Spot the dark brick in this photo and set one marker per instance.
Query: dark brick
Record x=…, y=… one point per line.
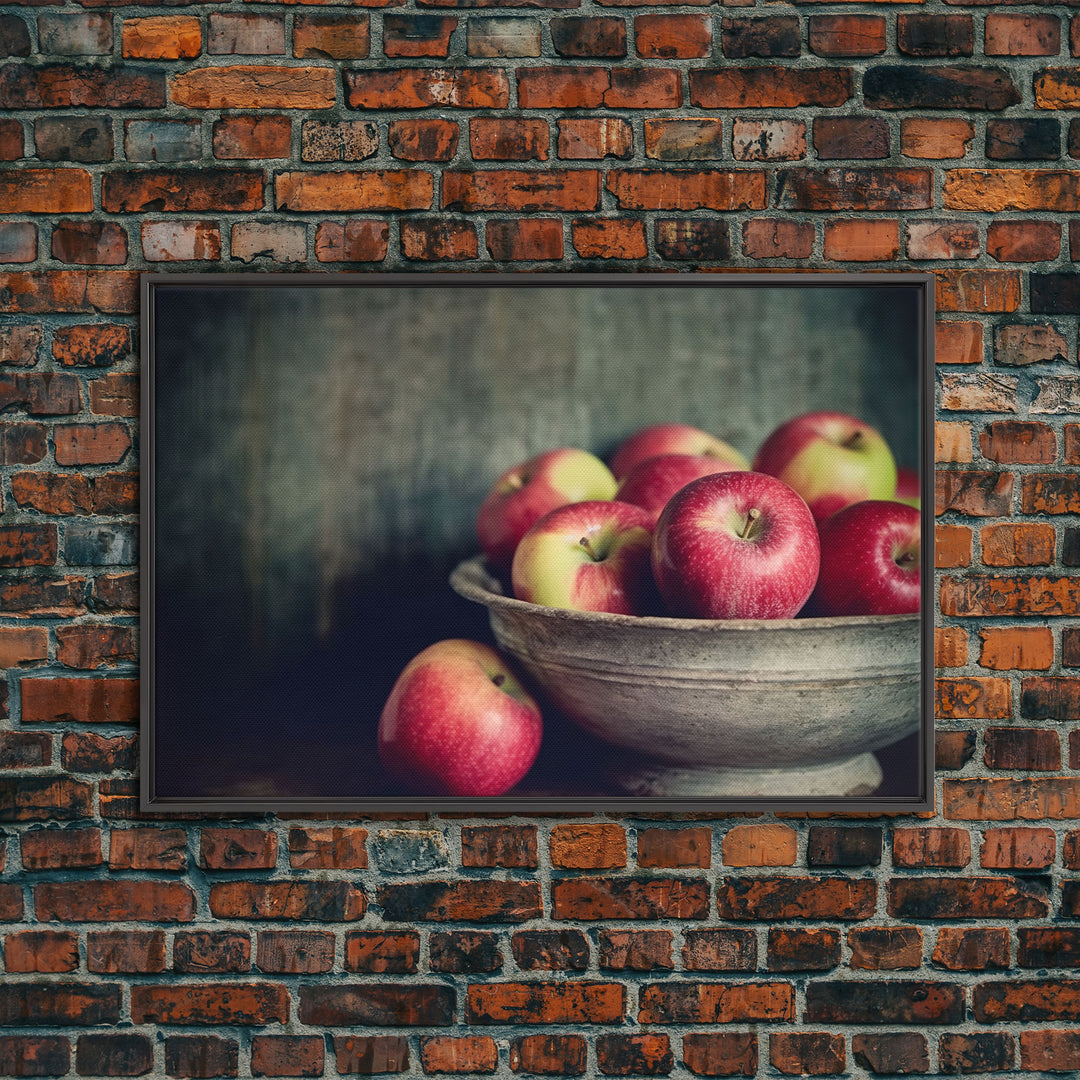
x=1050, y=698
x=1023, y=140
x=1048, y=946
x=935, y=35
x=14, y=36
x=803, y=950
x=693, y=239
x=297, y=951
x=376, y=1004
x=882, y=948
x=418, y=35
x=371, y=1054
x=889, y=1053
x=1055, y=294
x=965, y=948
x=34, y=1055
x=776, y=898
x=851, y=137
x=890, y=86
x=1027, y=999
x=720, y=950
x=462, y=951
x=466, y=900
x=52, y=1004
x=114, y=1055
x=678, y=1002
x=840, y=846
x=967, y=898
x=597, y=36
x=201, y=1056
x=721, y=1053
x=644, y=1054
x=807, y=1053
x=560, y=1002
x=549, y=1055
x=550, y=950
x=635, y=950
x=853, y=189
x=65, y=86
x=774, y=36
x=893, y=1001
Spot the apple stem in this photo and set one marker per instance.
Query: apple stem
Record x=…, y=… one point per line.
x=584, y=542
x=854, y=441
x=498, y=679
x=751, y=517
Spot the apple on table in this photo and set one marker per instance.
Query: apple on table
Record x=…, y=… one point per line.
x=588, y=556
x=736, y=545
x=831, y=459
x=870, y=561
x=459, y=722
x=672, y=439
x=651, y=483
x=529, y=490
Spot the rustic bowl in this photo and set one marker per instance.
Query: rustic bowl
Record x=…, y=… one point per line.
x=722, y=708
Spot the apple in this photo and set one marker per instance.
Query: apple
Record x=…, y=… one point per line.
x=672, y=439
x=870, y=555
x=908, y=486
x=831, y=459
x=652, y=482
x=736, y=545
x=588, y=556
x=458, y=722
x=525, y=493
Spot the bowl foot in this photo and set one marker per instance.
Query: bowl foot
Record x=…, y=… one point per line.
x=855, y=776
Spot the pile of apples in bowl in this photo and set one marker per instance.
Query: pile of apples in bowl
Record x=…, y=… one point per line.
x=731, y=628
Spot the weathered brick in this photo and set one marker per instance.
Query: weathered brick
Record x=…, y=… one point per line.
x=957, y=342
x=525, y=239
x=68, y=86
x=760, y=845
x=988, y=190
x=663, y=37
x=549, y=1055
x=881, y=189
x=20, y=345
x=201, y=1056
x=277, y=242
x=1017, y=849
x=890, y=1001
x=776, y=35
x=249, y=137
x=885, y=948
x=237, y=849
x=928, y=846
x=685, y=189
x=25, y=750
x=890, y=86
x=577, y=36
x=767, y=140
x=323, y=901
x=209, y=1003
x=334, y=36
x=338, y=140
x=331, y=847
x=18, y=239
x=423, y=139
x=967, y=898
x=1023, y=140
x=950, y=648
x=14, y=36
x=720, y=950
x=161, y=37
x=776, y=238
x=459, y=1054
x=1057, y=88
x=639, y=1054
x=981, y=948
x=460, y=951
x=769, y=87
x=201, y=951
x=1019, y=344
x=887, y=1053
x=942, y=240
x=935, y=139
x=793, y=897
x=287, y=1055
x=635, y=950
x=1022, y=35
x=1009, y=799
x=61, y=849
x=521, y=190
x=499, y=36
x=1005, y=595
x=352, y=241
x=1017, y=442
x=1026, y=999
x=34, y=1055
x=859, y=240
x=162, y=140
x=563, y=1002
x=684, y=847
x=935, y=35
x=550, y=950
x=421, y=88
x=721, y=1053
x=463, y=900
x=74, y=34
x=974, y=492
x=114, y=901
x=42, y=951
x=494, y=138
x=838, y=846
x=374, y=189
x=594, y=138
x=609, y=238
x=1017, y=545
x=54, y=1004
x=88, y=752
x=803, y=950
x=292, y=952
x=230, y=33
x=851, y=137
x=1023, y=241
x=254, y=87
x=1050, y=1050
x=807, y=1053
x=678, y=1002
x=1011, y=648
x=982, y=1051
x=164, y=190
x=629, y=898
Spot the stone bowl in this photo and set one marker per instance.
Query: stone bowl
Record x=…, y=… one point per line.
x=719, y=708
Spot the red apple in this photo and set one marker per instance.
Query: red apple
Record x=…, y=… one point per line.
x=831, y=459
x=588, y=556
x=525, y=493
x=672, y=439
x=737, y=545
x=652, y=482
x=870, y=555
x=908, y=487
x=458, y=722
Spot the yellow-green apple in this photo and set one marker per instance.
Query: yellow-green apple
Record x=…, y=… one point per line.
x=908, y=486
x=458, y=722
x=672, y=439
x=870, y=554
x=652, y=482
x=588, y=556
x=735, y=545
x=525, y=493
x=831, y=459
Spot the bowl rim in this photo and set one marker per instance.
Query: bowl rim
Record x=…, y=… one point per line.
x=471, y=579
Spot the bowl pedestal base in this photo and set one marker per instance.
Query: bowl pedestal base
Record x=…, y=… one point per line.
x=860, y=775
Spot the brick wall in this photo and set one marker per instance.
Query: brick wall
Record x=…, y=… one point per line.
x=540, y=134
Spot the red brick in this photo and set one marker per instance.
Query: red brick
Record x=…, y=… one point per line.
x=861, y=241
x=1022, y=35
x=684, y=189
x=179, y=191
x=609, y=238
x=635, y=950
x=41, y=951
x=382, y=952
x=45, y=191
x=28, y=545
x=20, y=346
x=116, y=593
x=981, y=948
x=1008, y=648
x=330, y=847
x=1050, y=1050
x=374, y=189
x=148, y=849
x=678, y=1002
x=114, y=901
x=769, y=87
x=587, y=138
x=958, y=343
x=422, y=88
x=23, y=646
x=87, y=752
x=1011, y=798
x=254, y=87
x=91, y=444
x=25, y=749
x=1003, y=595
x=371, y=1054
x=499, y=845
x=423, y=35
x=929, y=846
x=1010, y=189
x=209, y=1003
x=93, y=646
x=666, y=37
x=41, y=394
x=593, y=87
x=352, y=241
x=689, y=847
x=760, y=845
x=549, y=1055
x=1017, y=849
x=90, y=243
x=125, y=951
x=92, y=345
x=1018, y=442
x=720, y=950
x=1017, y=545
x=201, y=1056
x=851, y=137
x=881, y=189
x=11, y=145
x=550, y=950
x=721, y=1053
x=525, y=239
x=238, y=849
x=1026, y=999
x=1023, y=241
x=953, y=749
x=459, y=1054
x=201, y=951
x=629, y=898
x=54, y=1003
x=293, y=952
x=802, y=950
x=807, y=1053
x=323, y=901
x=973, y=697
x=34, y=1055
x=521, y=190
x=61, y=849
x=578, y=37
x=494, y=138
x=771, y=238
x=885, y=948
x=249, y=137
x=942, y=240
x=475, y=900
x=81, y=700
x=950, y=647
x=11, y=899
x=109, y=292
x=1050, y=698
x=977, y=290
x=423, y=139
x=793, y=897
x=162, y=37
x=287, y=1055
x=935, y=139
x=893, y=1052
x=336, y=36
x=641, y=1054
x=563, y=1002
x=974, y=492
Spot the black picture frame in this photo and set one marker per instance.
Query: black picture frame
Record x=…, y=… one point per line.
x=239, y=717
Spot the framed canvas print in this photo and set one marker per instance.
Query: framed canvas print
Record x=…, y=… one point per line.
x=517, y=541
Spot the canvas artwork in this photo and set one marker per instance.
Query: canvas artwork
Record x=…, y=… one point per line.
x=521, y=541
